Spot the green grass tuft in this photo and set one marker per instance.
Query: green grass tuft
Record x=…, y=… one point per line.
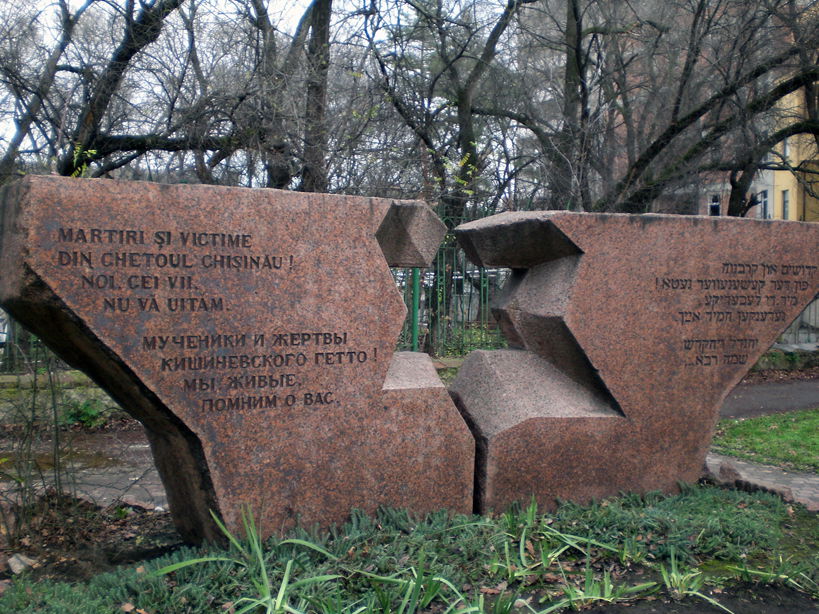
x=788, y=440
x=398, y=563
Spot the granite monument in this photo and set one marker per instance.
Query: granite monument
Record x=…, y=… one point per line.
x=252, y=332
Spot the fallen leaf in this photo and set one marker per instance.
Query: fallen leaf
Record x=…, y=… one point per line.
x=140, y=569
x=127, y=607
x=530, y=548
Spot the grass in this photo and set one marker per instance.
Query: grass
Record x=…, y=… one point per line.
x=617, y=550
x=788, y=440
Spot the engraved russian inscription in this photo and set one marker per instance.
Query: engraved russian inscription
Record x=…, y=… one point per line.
x=258, y=370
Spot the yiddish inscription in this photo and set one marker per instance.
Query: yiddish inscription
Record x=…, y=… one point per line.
x=713, y=307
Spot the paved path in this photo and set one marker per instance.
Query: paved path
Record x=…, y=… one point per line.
x=790, y=485
x=123, y=484
x=129, y=476
x=748, y=400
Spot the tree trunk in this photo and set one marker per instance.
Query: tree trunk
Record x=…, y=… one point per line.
x=139, y=33
x=563, y=153
x=314, y=174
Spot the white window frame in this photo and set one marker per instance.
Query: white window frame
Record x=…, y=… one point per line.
x=786, y=203
x=764, y=204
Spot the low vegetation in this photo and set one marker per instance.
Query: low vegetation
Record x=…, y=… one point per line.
x=619, y=550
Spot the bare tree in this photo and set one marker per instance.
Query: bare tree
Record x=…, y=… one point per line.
x=314, y=175
x=31, y=96
x=455, y=52
x=140, y=28
x=475, y=104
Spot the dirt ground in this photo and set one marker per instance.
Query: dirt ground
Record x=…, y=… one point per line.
x=72, y=540
x=748, y=599
x=780, y=375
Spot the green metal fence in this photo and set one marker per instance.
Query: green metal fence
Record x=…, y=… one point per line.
x=449, y=304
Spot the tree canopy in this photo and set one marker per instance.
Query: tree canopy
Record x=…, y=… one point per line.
x=476, y=105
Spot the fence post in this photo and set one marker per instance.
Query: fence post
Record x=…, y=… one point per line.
x=416, y=303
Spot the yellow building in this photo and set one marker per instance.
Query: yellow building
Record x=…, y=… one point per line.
x=791, y=194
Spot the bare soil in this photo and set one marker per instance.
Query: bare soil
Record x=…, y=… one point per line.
x=780, y=375
x=742, y=599
x=72, y=540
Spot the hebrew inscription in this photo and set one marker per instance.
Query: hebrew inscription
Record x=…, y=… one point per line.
x=666, y=312
x=730, y=295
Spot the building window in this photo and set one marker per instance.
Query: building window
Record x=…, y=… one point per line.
x=786, y=198
x=763, y=205
x=714, y=205
x=786, y=149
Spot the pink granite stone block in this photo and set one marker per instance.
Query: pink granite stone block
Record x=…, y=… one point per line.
x=631, y=331
x=251, y=332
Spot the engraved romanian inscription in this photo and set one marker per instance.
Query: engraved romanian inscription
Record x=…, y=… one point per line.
x=253, y=332
x=130, y=281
